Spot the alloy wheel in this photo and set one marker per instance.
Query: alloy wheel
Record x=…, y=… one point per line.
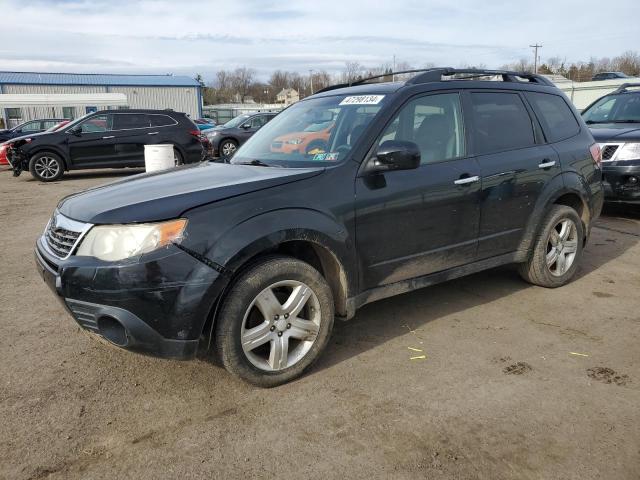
x=228, y=149
x=562, y=246
x=47, y=167
x=281, y=325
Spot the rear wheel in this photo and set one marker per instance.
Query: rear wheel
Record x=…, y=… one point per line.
x=557, y=250
x=274, y=322
x=46, y=167
x=177, y=157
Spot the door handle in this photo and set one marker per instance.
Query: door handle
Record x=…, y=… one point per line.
x=152, y=133
x=467, y=180
x=107, y=138
x=547, y=164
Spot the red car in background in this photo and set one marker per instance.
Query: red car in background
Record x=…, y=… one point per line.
x=5, y=146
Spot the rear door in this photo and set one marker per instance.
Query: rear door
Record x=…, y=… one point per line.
x=93, y=146
x=132, y=131
x=415, y=222
x=515, y=164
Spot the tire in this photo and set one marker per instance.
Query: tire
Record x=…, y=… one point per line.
x=228, y=148
x=178, y=159
x=304, y=328
x=46, y=167
x=557, y=250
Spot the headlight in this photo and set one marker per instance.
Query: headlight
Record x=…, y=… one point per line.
x=117, y=242
x=629, y=151
x=212, y=134
x=294, y=141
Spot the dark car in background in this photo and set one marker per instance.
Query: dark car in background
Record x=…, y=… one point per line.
x=5, y=146
x=225, y=139
x=418, y=182
x=608, y=76
x=614, y=121
x=28, y=128
x=106, y=139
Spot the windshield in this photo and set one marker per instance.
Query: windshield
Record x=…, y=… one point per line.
x=319, y=131
x=622, y=108
x=78, y=120
x=236, y=121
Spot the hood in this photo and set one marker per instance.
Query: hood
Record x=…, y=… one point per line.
x=615, y=132
x=152, y=197
x=24, y=137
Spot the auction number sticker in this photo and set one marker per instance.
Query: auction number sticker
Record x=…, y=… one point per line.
x=362, y=100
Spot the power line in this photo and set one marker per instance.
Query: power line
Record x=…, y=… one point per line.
x=535, y=58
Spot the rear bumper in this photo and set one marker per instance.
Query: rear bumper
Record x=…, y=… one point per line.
x=621, y=183
x=156, y=305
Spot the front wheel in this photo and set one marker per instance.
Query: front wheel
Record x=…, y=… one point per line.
x=557, y=250
x=274, y=322
x=46, y=167
x=228, y=148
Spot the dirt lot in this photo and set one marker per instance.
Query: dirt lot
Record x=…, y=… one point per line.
x=498, y=395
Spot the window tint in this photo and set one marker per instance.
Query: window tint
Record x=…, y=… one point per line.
x=161, y=120
x=99, y=123
x=501, y=122
x=125, y=121
x=555, y=115
x=434, y=123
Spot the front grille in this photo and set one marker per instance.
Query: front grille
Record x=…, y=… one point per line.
x=608, y=151
x=63, y=234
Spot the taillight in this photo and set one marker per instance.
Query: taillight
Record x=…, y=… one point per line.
x=596, y=154
x=199, y=135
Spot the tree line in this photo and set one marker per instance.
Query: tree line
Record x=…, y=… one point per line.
x=241, y=85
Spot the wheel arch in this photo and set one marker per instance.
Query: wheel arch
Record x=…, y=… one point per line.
x=52, y=149
x=567, y=189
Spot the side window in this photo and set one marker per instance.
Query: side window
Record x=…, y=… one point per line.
x=31, y=127
x=127, y=121
x=259, y=121
x=47, y=124
x=555, y=115
x=161, y=120
x=501, y=122
x=99, y=123
x=434, y=123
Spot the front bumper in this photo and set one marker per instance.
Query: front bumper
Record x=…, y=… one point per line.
x=155, y=304
x=618, y=182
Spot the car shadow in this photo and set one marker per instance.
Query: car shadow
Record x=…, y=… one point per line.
x=380, y=322
x=89, y=174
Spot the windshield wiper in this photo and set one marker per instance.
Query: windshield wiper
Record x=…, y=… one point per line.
x=625, y=121
x=255, y=163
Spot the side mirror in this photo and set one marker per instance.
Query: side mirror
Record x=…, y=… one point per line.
x=396, y=155
x=77, y=131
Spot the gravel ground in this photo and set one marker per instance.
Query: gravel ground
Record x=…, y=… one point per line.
x=516, y=381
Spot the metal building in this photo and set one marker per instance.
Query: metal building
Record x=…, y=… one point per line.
x=179, y=93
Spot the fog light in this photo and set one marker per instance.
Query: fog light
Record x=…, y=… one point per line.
x=113, y=330
x=632, y=180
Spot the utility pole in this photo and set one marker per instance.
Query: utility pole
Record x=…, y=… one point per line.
x=311, y=80
x=535, y=58
x=393, y=77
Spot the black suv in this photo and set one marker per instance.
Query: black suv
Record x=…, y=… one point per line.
x=29, y=128
x=614, y=121
x=420, y=182
x=106, y=139
x=225, y=139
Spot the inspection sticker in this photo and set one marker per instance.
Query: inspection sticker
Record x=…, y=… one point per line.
x=362, y=100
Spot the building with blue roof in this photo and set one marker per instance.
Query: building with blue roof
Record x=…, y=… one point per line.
x=177, y=92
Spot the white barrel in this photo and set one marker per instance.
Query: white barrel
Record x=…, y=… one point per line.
x=158, y=157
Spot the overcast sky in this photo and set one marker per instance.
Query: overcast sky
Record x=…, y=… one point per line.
x=189, y=37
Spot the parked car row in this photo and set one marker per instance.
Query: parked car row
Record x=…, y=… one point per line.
x=106, y=139
x=357, y=193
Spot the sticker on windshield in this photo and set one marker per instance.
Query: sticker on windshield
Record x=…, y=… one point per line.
x=362, y=100
x=319, y=157
x=332, y=156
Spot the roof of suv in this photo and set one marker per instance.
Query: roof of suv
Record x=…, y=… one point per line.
x=142, y=110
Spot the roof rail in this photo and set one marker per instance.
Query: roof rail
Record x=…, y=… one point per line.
x=623, y=88
x=435, y=75
x=469, y=73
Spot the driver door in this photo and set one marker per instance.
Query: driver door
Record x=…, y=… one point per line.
x=92, y=144
x=411, y=223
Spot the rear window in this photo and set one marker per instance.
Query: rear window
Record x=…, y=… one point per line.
x=161, y=120
x=555, y=115
x=125, y=121
x=501, y=122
